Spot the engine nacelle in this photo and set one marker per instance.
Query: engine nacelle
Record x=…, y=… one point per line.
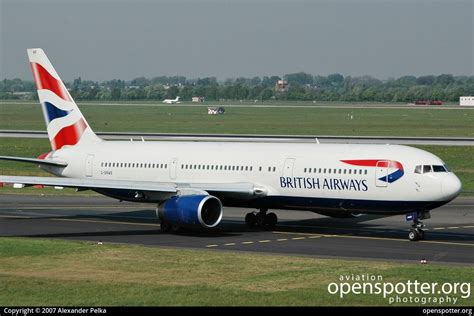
x=191, y=211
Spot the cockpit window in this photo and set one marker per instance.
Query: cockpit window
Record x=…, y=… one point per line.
x=426, y=168
x=437, y=168
x=429, y=168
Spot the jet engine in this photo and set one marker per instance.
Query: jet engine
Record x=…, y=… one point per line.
x=203, y=211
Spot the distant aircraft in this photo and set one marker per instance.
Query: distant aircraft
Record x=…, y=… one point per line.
x=171, y=101
x=191, y=181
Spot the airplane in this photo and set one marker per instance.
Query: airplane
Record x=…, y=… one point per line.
x=190, y=182
x=171, y=101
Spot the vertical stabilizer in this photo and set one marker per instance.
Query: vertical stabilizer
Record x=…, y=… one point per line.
x=64, y=121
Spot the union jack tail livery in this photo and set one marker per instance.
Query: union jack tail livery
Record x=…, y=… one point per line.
x=65, y=123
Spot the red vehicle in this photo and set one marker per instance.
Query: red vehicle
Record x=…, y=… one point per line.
x=428, y=102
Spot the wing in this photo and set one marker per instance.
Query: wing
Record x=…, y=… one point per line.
x=241, y=188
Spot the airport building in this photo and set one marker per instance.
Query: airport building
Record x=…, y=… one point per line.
x=281, y=86
x=466, y=101
x=197, y=99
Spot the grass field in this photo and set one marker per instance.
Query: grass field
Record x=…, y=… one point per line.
x=254, y=120
x=458, y=158
x=47, y=272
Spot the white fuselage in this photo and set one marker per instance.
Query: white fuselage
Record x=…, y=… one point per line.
x=295, y=176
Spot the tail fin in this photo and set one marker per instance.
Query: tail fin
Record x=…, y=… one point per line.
x=65, y=123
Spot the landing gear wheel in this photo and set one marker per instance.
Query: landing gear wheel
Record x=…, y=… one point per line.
x=175, y=228
x=251, y=219
x=413, y=235
x=421, y=234
x=260, y=219
x=271, y=220
x=416, y=234
x=165, y=227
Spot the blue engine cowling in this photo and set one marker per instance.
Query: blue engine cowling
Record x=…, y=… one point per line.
x=191, y=211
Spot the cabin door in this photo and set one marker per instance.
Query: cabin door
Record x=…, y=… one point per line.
x=288, y=168
x=173, y=167
x=89, y=164
x=381, y=173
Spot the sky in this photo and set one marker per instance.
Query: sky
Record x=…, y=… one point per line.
x=110, y=39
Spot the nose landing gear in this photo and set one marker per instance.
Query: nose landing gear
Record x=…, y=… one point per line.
x=261, y=219
x=417, y=232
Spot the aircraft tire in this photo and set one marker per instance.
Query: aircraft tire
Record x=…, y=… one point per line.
x=251, y=219
x=414, y=235
x=271, y=220
x=165, y=227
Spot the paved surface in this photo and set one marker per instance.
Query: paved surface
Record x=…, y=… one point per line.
x=449, y=239
x=448, y=141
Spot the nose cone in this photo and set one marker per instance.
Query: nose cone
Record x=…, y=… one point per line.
x=451, y=186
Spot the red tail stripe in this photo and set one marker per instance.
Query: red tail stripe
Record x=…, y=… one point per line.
x=44, y=80
x=69, y=135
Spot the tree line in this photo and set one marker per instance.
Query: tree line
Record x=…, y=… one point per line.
x=302, y=87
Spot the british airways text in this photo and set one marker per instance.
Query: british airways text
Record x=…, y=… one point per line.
x=325, y=184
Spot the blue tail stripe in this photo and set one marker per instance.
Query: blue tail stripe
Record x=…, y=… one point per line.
x=53, y=112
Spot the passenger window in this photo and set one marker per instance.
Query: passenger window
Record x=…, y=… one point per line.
x=426, y=169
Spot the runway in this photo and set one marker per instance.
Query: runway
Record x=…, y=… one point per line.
x=449, y=238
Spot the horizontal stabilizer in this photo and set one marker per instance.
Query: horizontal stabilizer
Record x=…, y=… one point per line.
x=35, y=161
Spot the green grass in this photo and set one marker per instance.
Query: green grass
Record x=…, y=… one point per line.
x=458, y=158
x=253, y=120
x=53, y=272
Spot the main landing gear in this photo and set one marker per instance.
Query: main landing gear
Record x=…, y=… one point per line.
x=417, y=232
x=261, y=219
x=167, y=227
